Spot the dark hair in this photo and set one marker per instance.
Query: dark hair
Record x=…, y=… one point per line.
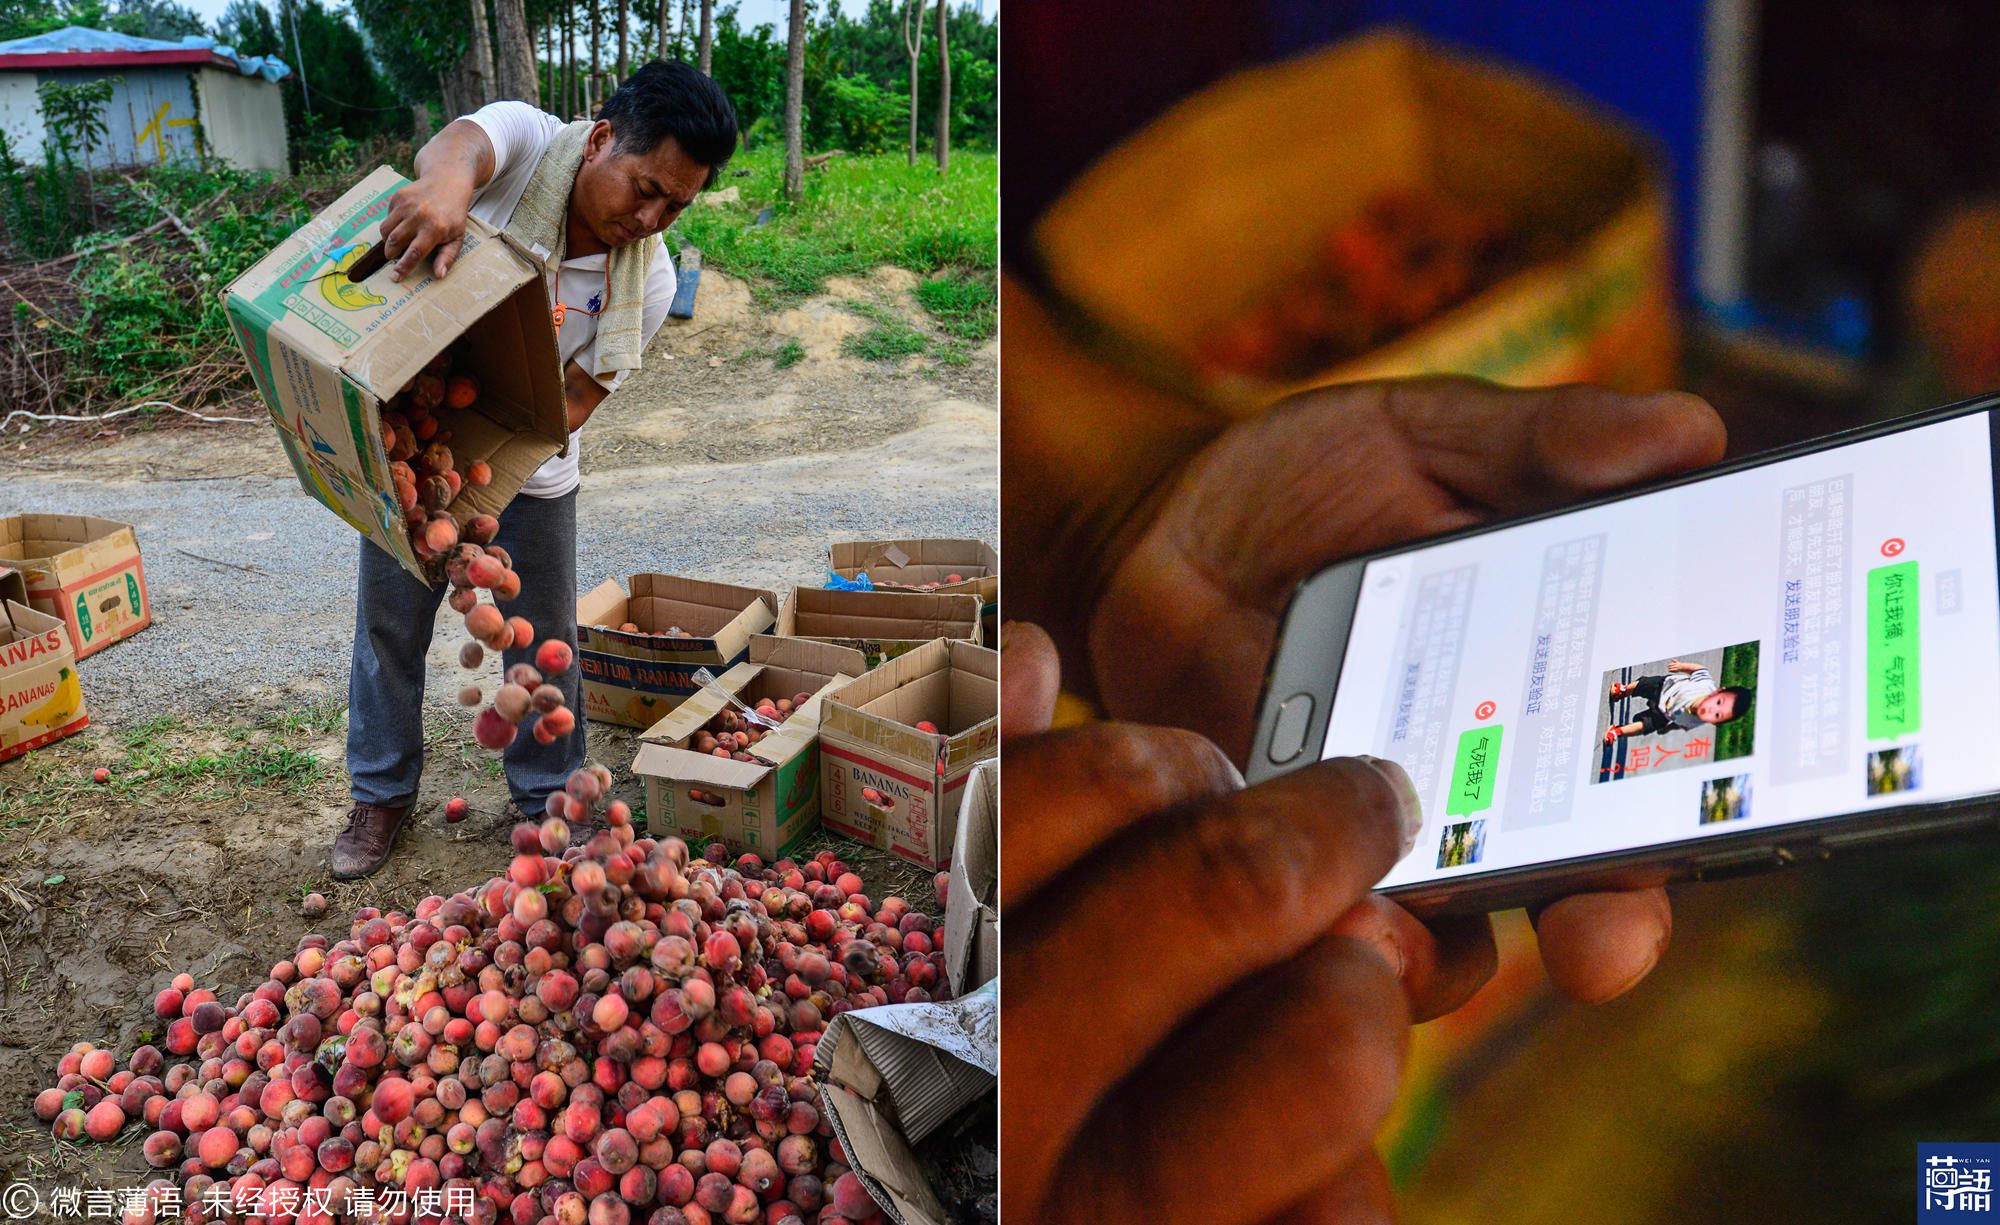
x=1739, y=704
x=672, y=98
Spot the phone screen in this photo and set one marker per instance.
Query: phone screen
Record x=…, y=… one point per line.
x=1813, y=637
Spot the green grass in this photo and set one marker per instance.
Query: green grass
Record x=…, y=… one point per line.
x=786, y=355
x=963, y=305
x=1738, y=736
x=859, y=212
x=886, y=341
x=157, y=762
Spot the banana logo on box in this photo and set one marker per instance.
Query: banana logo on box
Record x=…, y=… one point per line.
x=642, y=706
x=337, y=289
x=57, y=710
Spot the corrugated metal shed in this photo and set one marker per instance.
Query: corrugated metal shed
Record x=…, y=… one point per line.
x=171, y=102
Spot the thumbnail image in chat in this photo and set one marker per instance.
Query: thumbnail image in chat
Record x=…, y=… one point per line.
x=1676, y=712
x=1725, y=799
x=1894, y=770
x=1462, y=845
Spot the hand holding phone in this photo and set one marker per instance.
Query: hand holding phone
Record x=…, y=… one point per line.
x=1190, y=614
x=1779, y=660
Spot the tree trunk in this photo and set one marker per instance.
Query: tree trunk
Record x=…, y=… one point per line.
x=569, y=65
x=795, y=88
x=624, y=20
x=666, y=24
x=420, y=123
x=479, y=56
x=514, y=61
x=594, y=93
x=707, y=35
x=944, y=89
x=913, y=42
x=448, y=95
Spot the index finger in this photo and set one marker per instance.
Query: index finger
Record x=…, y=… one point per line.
x=1518, y=448
x=419, y=245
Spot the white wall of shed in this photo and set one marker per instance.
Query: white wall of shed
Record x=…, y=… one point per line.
x=21, y=115
x=243, y=119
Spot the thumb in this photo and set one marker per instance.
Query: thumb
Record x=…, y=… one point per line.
x=1030, y=678
x=446, y=256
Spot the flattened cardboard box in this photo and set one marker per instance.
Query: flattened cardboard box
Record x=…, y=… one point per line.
x=1315, y=138
x=880, y=624
x=327, y=351
x=86, y=572
x=41, y=697
x=971, y=912
x=891, y=1076
x=764, y=806
x=869, y=741
x=634, y=679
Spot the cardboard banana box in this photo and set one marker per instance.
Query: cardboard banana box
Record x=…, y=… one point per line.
x=41, y=697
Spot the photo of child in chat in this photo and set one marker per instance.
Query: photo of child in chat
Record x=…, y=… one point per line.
x=1681, y=711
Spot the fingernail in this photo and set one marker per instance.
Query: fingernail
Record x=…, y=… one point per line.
x=1412, y=807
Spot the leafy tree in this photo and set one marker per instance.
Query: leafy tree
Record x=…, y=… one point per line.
x=144, y=18
x=750, y=67
x=340, y=93
x=414, y=41
x=157, y=19
x=855, y=114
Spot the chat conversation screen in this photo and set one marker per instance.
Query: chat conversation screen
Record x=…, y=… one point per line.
x=1805, y=639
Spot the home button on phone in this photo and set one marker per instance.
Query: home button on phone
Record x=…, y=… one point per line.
x=1288, y=731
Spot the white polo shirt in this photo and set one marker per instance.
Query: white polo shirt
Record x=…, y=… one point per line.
x=521, y=134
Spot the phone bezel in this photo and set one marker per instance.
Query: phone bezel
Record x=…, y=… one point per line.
x=1311, y=647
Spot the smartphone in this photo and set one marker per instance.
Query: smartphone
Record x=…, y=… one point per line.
x=1772, y=661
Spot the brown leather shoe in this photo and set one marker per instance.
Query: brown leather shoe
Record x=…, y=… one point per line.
x=363, y=847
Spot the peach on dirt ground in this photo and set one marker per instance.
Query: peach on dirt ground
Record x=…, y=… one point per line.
x=598, y=1014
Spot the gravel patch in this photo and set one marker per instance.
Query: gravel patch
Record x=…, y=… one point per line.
x=252, y=582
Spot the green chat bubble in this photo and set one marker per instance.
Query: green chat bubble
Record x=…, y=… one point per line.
x=1895, y=677
x=1472, y=777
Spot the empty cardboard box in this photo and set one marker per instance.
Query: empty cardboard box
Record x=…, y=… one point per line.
x=86, y=572
x=880, y=624
x=887, y=782
x=764, y=806
x=635, y=678
x=327, y=351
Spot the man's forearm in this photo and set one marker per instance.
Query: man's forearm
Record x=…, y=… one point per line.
x=461, y=153
x=582, y=394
